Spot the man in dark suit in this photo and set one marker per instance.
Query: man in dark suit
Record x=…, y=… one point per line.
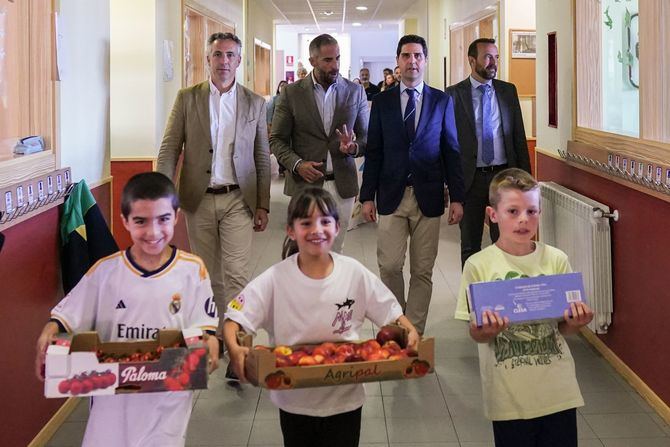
x=491, y=137
x=319, y=125
x=412, y=152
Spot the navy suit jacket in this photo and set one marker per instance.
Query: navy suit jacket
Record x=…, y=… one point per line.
x=433, y=158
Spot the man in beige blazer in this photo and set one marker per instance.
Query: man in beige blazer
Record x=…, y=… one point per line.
x=224, y=183
x=320, y=124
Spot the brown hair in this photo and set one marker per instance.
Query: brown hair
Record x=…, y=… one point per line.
x=512, y=178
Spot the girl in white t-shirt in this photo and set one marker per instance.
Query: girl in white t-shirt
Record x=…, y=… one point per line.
x=312, y=297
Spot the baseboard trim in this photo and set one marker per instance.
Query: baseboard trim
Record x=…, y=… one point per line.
x=629, y=375
x=51, y=427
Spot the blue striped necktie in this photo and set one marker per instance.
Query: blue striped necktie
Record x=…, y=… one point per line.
x=487, y=125
x=409, y=117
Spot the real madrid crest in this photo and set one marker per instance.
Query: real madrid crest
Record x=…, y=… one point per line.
x=175, y=304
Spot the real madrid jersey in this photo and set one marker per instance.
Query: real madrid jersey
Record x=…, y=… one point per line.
x=123, y=302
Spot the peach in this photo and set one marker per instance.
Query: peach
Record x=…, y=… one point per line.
x=307, y=360
x=282, y=350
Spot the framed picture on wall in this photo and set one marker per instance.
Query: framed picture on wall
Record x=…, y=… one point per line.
x=523, y=44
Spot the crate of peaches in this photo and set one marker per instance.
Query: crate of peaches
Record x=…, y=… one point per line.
x=81, y=365
x=339, y=363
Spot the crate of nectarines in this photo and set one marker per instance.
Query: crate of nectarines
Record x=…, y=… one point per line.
x=339, y=363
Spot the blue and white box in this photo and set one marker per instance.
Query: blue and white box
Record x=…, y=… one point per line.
x=527, y=299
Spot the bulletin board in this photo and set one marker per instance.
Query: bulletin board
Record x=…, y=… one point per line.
x=521, y=69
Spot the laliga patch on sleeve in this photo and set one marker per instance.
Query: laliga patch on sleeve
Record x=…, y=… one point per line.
x=237, y=303
x=210, y=307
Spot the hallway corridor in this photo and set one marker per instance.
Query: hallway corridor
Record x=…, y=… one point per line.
x=443, y=409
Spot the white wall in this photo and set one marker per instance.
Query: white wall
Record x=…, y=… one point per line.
x=168, y=27
x=553, y=16
x=133, y=68
x=373, y=45
x=84, y=88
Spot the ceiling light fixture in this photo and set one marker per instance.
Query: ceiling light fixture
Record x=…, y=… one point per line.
x=328, y=13
x=362, y=8
x=356, y=24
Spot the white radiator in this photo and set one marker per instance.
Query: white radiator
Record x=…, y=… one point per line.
x=574, y=223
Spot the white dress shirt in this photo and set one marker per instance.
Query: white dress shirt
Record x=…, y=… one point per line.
x=222, y=120
x=325, y=102
x=499, y=155
x=418, y=100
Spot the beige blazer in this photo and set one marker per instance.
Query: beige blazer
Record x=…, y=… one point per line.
x=188, y=130
x=298, y=133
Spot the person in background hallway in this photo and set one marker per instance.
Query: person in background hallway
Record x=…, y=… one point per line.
x=396, y=74
x=389, y=82
x=384, y=73
x=271, y=104
x=370, y=89
x=412, y=152
x=271, y=110
x=491, y=136
x=320, y=125
x=529, y=386
x=302, y=73
x=224, y=185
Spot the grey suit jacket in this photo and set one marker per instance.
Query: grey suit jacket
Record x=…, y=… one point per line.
x=514, y=134
x=188, y=130
x=297, y=132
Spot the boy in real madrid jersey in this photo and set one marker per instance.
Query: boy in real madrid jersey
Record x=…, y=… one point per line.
x=130, y=296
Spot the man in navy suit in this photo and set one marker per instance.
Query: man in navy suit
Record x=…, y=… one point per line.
x=412, y=153
x=491, y=137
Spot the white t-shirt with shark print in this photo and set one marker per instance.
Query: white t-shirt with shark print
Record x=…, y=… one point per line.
x=295, y=309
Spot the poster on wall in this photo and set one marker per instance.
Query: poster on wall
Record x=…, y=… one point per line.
x=524, y=44
x=289, y=61
x=290, y=76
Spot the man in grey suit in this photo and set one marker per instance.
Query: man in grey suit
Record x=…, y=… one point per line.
x=491, y=137
x=224, y=184
x=319, y=125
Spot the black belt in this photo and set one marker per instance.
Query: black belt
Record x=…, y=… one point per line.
x=329, y=177
x=494, y=168
x=222, y=189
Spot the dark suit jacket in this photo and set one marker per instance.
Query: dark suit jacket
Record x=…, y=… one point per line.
x=514, y=134
x=433, y=157
x=297, y=132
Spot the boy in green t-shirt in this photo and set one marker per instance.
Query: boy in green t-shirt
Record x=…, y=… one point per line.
x=529, y=386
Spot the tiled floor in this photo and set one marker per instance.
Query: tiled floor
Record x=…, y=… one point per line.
x=441, y=410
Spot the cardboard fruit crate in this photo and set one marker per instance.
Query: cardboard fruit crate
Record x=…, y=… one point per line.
x=72, y=367
x=261, y=368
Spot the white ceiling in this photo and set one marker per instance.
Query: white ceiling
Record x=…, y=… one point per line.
x=336, y=15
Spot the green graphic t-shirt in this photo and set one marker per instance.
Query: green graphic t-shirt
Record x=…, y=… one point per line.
x=527, y=371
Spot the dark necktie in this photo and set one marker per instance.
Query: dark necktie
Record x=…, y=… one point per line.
x=410, y=111
x=487, y=125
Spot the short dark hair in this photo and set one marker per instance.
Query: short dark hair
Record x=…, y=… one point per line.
x=473, y=49
x=387, y=70
x=279, y=86
x=224, y=36
x=412, y=38
x=364, y=68
x=148, y=186
x=302, y=205
x=320, y=41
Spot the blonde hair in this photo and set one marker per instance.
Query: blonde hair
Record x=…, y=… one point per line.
x=512, y=178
